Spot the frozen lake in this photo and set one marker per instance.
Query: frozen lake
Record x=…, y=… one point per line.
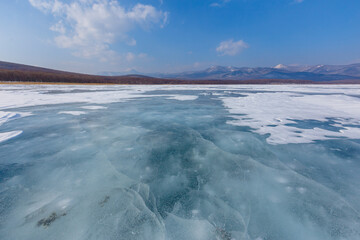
x=264, y=162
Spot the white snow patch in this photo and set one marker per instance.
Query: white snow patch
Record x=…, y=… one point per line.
x=75, y=113
x=8, y=116
x=15, y=96
x=183, y=97
x=281, y=180
x=8, y=135
x=301, y=190
x=270, y=112
x=93, y=107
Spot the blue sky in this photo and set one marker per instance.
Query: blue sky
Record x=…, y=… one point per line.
x=95, y=36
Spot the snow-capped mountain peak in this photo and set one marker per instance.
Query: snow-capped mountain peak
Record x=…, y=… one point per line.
x=280, y=66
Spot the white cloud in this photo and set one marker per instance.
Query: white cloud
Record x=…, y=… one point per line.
x=231, y=48
x=90, y=26
x=130, y=57
x=58, y=27
x=215, y=4
x=221, y=3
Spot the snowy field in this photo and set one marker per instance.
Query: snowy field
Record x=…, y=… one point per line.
x=261, y=162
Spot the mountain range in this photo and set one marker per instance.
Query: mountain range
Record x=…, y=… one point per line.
x=295, y=72
x=212, y=75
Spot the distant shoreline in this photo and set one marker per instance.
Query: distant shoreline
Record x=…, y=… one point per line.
x=39, y=76
x=12, y=73
x=53, y=83
x=168, y=84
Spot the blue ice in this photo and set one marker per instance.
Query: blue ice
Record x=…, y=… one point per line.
x=178, y=162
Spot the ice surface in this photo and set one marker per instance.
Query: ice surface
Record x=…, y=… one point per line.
x=179, y=162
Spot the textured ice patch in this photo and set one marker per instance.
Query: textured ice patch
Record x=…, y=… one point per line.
x=8, y=135
x=273, y=112
x=75, y=113
x=179, y=228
